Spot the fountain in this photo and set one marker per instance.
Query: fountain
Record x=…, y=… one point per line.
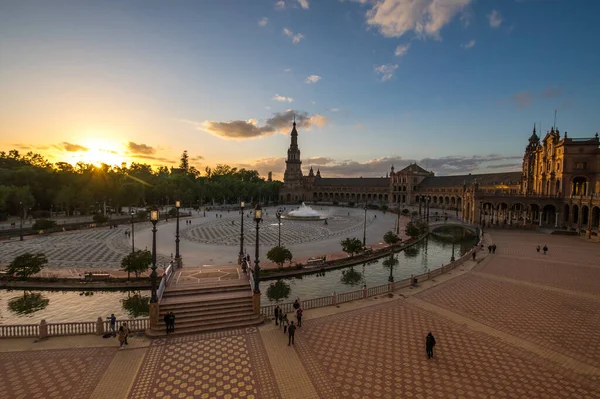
x=305, y=212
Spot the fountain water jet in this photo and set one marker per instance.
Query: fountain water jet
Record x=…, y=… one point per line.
x=305, y=212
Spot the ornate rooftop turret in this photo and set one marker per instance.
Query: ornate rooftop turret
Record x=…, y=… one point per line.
x=534, y=137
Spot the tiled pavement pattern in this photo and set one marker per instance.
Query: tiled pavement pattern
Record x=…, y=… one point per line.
x=88, y=249
x=230, y=364
x=70, y=373
x=379, y=353
x=223, y=232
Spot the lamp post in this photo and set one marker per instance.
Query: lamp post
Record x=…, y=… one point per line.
x=21, y=217
x=257, y=219
x=132, y=213
x=365, y=228
x=154, y=215
x=241, y=255
x=398, y=222
x=177, y=256
x=278, y=216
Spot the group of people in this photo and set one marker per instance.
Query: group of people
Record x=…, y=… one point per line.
x=188, y=221
x=122, y=334
x=545, y=249
x=492, y=249
x=170, y=322
x=281, y=319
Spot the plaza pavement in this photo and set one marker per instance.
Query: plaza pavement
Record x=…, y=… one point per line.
x=514, y=324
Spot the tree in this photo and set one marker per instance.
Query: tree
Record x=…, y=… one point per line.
x=137, y=262
x=279, y=255
x=390, y=238
x=416, y=228
x=27, y=264
x=351, y=277
x=184, y=161
x=44, y=224
x=351, y=246
x=278, y=291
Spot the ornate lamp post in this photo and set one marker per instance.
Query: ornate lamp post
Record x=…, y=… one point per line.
x=21, y=217
x=278, y=216
x=241, y=255
x=365, y=228
x=132, y=213
x=257, y=219
x=177, y=256
x=154, y=215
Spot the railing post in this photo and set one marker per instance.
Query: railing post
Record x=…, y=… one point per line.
x=333, y=299
x=43, y=329
x=364, y=292
x=390, y=287
x=99, y=326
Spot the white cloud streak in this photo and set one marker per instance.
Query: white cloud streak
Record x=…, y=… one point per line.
x=385, y=71
x=295, y=37
x=263, y=22
x=277, y=97
x=495, y=19
x=401, y=50
x=312, y=79
x=468, y=45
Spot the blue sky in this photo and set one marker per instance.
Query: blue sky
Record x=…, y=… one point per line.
x=455, y=85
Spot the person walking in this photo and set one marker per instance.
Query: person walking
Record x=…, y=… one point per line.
x=284, y=322
x=113, y=324
x=429, y=344
x=291, y=333
x=296, y=305
x=121, y=338
x=474, y=255
x=299, y=317
x=545, y=249
x=494, y=248
x=126, y=331
x=276, y=314
x=537, y=248
x=167, y=321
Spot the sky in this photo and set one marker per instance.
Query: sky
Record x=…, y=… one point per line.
x=454, y=85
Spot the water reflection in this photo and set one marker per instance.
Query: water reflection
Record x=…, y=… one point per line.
x=278, y=291
x=136, y=304
x=28, y=303
x=351, y=277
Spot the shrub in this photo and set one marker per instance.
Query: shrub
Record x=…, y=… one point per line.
x=43, y=224
x=100, y=219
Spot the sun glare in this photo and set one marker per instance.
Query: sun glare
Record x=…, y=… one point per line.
x=97, y=151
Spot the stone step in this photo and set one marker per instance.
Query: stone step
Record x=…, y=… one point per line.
x=203, y=310
x=153, y=333
x=204, y=290
x=207, y=298
x=211, y=319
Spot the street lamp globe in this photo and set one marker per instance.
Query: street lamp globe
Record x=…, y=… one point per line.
x=177, y=204
x=257, y=213
x=154, y=215
x=242, y=204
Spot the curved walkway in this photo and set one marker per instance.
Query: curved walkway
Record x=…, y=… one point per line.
x=516, y=323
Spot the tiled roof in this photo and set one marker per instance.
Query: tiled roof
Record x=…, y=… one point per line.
x=486, y=179
x=353, y=181
x=413, y=168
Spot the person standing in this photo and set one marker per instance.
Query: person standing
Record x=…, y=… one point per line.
x=429, y=344
x=291, y=333
x=121, y=338
x=172, y=321
x=545, y=249
x=284, y=321
x=296, y=305
x=167, y=321
x=494, y=248
x=126, y=331
x=299, y=317
x=474, y=255
x=113, y=324
x=276, y=313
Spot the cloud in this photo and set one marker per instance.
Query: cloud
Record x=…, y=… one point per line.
x=280, y=5
x=426, y=18
x=318, y=161
x=523, y=99
x=385, y=71
x=279, y=122
x=303, y=4
x=295, y=37
x=312, y=79
x=468, y=45
x=153, y=158
x=402, y=49
x=287, y=70
x=197, y=158
x=277, y=97
x=552, y=92
x=495, y=19
x=263, y=21
x=140, y=148
x=73, y=147
x=334, y=110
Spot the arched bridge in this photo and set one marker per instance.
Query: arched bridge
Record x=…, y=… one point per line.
x=453, y=223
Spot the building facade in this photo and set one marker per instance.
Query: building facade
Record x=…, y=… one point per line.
x=558, y=185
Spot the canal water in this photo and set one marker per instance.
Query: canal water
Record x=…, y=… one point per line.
x=31, y=306
x=430, y=253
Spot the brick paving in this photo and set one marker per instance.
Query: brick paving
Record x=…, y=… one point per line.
x=520, y=325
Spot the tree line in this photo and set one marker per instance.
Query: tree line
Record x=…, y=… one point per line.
x=32, y=185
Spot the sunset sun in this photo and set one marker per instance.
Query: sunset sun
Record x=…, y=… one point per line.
x=98, y=151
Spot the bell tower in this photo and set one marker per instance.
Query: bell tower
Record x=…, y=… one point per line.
x=293, y=164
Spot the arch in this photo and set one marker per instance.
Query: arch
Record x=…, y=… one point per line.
x=575, y=214
x=585, y=215
x=579, y=185
x=549, y=214
x=565, y=215
x=289, y=197
x=595, y=217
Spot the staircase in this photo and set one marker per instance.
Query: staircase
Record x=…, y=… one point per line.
x=204, y=308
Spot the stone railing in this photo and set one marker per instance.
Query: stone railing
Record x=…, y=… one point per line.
x=44, y=329
x=164, y=281
x=364, y=293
